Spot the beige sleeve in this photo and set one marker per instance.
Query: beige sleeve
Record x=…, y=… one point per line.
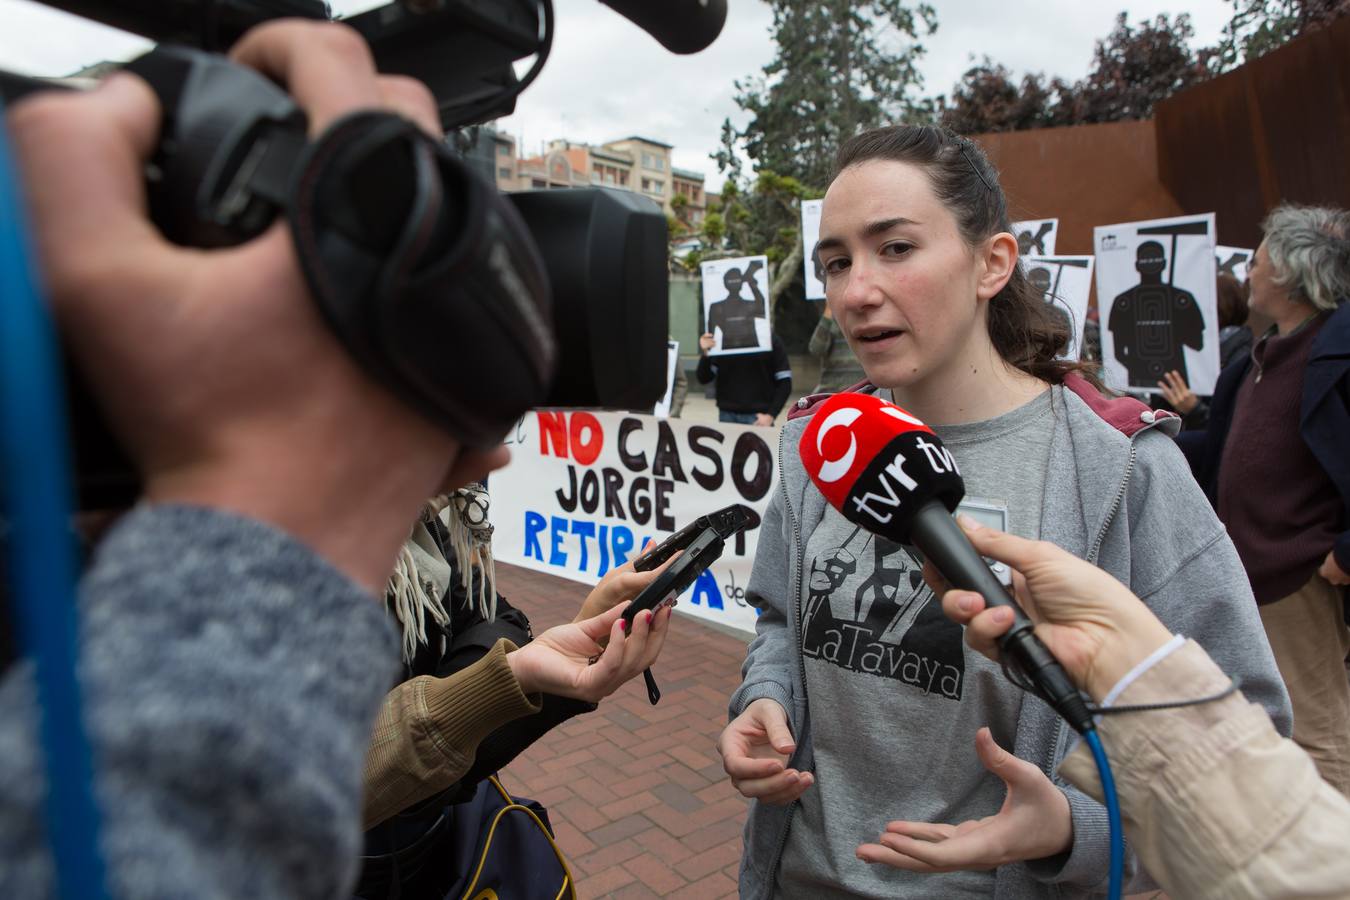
x=428, y=731
x=1214, y=801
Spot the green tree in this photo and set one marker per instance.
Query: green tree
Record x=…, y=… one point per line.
x=1135, y=67
x=988, y=99
x=1260, y=26
x=840, y=66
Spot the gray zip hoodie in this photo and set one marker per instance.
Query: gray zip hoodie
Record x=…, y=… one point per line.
x=1121, y=496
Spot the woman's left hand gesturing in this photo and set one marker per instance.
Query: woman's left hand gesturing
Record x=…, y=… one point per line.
x=1034, y=823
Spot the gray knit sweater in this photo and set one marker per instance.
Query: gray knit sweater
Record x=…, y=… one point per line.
x=231, y=677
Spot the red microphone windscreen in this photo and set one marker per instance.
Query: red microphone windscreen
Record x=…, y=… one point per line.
x=876, y=463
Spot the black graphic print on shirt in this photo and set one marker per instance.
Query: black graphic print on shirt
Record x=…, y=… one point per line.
x=889, y=624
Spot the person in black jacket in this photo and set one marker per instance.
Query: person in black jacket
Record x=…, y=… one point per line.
x=1274, y=464
x=751, y=387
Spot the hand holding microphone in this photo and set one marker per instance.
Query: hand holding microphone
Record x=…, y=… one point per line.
x=886, y=471
x=1092, y=623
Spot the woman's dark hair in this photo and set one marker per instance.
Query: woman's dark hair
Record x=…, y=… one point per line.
x=1232, y=301
x=1025, y=330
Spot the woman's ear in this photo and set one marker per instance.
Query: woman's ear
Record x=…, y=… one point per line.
x=999, y=259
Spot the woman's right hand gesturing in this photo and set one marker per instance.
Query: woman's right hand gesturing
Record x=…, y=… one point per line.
x=755, y=749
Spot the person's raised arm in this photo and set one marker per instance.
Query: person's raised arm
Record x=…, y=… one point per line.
x=707, y=369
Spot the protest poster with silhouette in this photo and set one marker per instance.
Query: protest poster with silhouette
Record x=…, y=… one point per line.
x=662, y=408
x=815, y=276
x=1156, y=301
x=1065, y=282
x=1036, y=237
x=736, y=305
x=1233, y=261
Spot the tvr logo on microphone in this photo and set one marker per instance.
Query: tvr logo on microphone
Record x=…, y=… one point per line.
x=865, y=455
x=883, y=494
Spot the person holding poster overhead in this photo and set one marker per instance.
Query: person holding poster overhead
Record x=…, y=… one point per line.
x=751, y=387
x=1155, y=291
x=885, y=758
x=1066, y=283
x=1152, y=321
x=1275, y=464
x=738, y=323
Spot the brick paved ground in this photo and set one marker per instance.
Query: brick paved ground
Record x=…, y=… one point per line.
x=636, y=792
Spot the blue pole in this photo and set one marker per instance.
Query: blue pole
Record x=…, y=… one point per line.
x=42, y=557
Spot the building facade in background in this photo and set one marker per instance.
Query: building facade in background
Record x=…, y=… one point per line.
x=633, y=163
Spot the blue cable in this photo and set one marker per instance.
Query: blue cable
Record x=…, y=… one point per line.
x=42, y=559
x=1117, y=876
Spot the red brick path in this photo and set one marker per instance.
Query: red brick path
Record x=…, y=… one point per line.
x=636, y=792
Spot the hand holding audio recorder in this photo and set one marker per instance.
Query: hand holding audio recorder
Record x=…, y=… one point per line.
x=702, y=542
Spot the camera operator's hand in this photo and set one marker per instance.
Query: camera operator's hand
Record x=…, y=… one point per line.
x=1092, y=623
x=558, y=661
x=214, y=367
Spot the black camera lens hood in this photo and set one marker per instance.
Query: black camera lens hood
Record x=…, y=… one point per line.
x=426, y=275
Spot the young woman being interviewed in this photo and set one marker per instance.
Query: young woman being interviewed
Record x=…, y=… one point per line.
x=861, y=712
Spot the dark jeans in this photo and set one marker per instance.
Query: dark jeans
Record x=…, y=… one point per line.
x=738, y=418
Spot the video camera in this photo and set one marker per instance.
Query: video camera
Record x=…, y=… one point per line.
x=471, y=305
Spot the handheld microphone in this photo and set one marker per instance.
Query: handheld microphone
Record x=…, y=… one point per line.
x=886, y=471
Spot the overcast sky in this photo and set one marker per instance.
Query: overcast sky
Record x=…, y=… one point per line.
x=607, y=79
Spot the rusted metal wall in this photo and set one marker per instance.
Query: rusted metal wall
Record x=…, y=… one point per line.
x=1085, y=175
x=1276, y=129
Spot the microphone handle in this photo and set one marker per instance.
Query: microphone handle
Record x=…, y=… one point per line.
x=941, y=541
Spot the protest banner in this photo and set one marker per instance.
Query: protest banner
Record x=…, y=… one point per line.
x=662, y=408
x=815, y=283
x=1233, y=260
x=736, y=306
x=585, y=490
x=1036, y=237
x=1156, y=302
x=1065, y=282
